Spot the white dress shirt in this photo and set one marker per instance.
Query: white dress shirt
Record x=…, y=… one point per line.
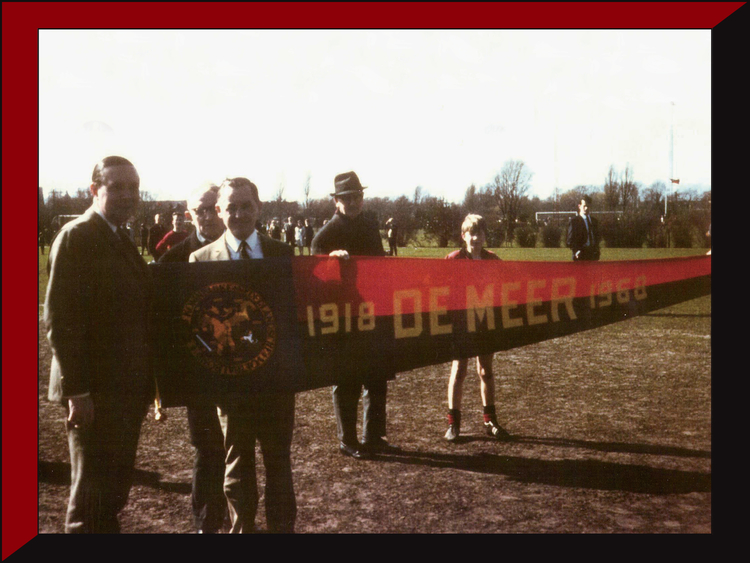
x=587, y=222
x=253, y=243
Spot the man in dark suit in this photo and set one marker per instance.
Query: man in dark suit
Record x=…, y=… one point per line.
x=267, y=417
x=208, y=501
x=350, y=232
x=583, y=233
x=96, y=316
x=392, y=231
x=289, y=232
x=308, y=232
x=144, y=238
x=156, y=233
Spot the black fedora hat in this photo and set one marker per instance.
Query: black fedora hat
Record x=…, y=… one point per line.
x=347, y=183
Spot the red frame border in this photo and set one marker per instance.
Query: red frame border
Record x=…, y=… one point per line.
x=21, y=22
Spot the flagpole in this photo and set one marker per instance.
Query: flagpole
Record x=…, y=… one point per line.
x=671, y=160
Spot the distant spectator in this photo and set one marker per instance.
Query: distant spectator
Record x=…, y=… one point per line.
x=144, y=238
x=583, y=233
x=298, y=236
x=289, y=231
x=275, y=230
x=307, y=235
x=392, y=229
x=156, y=232
x=173, y=237
x=131, y=231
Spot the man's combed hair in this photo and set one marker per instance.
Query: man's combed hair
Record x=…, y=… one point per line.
x=96, y=176
x=239, y=182
x=473, y=222
x=195, y=196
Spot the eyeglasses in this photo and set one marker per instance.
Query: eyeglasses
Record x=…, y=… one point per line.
x=203, y=210
x=233, y=208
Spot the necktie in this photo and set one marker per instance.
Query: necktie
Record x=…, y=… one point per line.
x=588, y=230
x=244, y=250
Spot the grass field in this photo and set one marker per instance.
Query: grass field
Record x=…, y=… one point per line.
x=612, y=432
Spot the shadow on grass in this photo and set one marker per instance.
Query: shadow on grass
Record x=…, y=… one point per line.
x=58, y=473
x=616, y=447
x=680, y=315
x=575, y=473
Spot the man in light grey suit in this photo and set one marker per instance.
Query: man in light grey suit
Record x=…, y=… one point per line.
x=267, y=417
x=96, y=317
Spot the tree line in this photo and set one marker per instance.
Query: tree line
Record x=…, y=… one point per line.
x=636, y=215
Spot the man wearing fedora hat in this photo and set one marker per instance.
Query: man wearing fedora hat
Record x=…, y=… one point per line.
x=351, y=233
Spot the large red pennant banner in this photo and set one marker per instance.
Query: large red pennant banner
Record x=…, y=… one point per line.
x=387, y=287
x=310, y=322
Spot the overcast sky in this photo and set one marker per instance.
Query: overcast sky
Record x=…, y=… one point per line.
x=403, y=108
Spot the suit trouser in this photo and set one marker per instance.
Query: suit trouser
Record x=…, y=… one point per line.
x=345, y=403
x=208, y=501
x=102, y=460
x=392, y=247
x=269, y=418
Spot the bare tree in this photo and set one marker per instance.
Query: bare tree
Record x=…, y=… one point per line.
x=440, y=220
x=306, y=202
x=611, y=190
x=279, y=196
x=471, y=201
x=418, y=197
x=509, y=188
x=628, y=190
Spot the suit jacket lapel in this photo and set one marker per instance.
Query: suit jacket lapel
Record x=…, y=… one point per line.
x=220, y=250
x=264, y=246
x=130, y=253
x=195, y=243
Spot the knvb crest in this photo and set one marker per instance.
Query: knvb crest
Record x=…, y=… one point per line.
x=232, y=329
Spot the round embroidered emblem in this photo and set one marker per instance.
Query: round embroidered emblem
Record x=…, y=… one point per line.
x=232, y=329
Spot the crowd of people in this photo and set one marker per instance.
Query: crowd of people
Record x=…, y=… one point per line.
x=298, y=234
x=96, y=317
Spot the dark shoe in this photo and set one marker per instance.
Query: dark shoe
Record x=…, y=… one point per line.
x=352, y=451
x=452, y=434
x=379, y=445
x=496, y=431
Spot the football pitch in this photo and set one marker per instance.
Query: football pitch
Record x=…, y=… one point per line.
x=611, y=426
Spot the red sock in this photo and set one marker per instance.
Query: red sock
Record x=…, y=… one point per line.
x=489, y=413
